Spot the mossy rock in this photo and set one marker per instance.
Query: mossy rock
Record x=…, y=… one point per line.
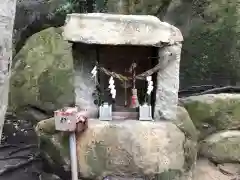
x=129, y=148
x=42, y=76
x=213, y=112
x=56, y=144
x=184, y=122
x=222, y=147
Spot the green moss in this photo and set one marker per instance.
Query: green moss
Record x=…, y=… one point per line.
x=43, y=73
x=227, y=149
x=55, y=145
x=97, y=159
x=46, y=127
x=171, y=174
x=219, y=115
x=190, y=154
x=54, y=153
x=185, y=124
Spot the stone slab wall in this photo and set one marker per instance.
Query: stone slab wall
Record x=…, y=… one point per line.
x=84, y=61
x=168, y=82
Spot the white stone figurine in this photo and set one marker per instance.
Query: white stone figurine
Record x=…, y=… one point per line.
x=112, y=87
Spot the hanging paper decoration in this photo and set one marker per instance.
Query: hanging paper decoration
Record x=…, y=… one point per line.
x=97, y=95
x=94, y=72
x=150, y=85
x=112, y=87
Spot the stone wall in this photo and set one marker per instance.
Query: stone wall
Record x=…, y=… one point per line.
x=168, y=82
x=84, y=61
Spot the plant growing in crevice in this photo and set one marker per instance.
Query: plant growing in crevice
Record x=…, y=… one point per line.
x=72, y=6
x=82, y=6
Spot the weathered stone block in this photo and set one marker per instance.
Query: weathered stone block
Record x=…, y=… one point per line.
x=126, y=148
x=222, y=147
x=213, y=112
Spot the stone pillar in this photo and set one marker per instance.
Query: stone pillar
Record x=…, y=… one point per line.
x=84, y=61
x=168, y=82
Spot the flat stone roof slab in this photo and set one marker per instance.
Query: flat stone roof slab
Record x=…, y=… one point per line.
x=115, y=29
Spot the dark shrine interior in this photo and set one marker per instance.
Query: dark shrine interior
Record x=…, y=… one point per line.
x=118, y=59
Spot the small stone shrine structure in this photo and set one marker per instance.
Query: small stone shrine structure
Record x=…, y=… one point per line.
x=114, y=42
x=126, y=50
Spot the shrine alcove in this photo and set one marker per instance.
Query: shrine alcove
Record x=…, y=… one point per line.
x=116, y=59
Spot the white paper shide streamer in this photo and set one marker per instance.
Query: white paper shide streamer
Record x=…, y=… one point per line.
x=94, y=72
x=150, y=85
x=112, y=87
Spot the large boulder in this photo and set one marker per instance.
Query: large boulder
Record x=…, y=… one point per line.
x=42, y=77
x=213, y=112
x=33, y=16
x=222, y=147
x=125, y=148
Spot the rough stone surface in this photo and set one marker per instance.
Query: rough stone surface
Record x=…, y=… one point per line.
x=222, y=147
x=213, y=112
x=205, y=170
x=100, y=28
x=129, y=148
x=184, y=123
x=7, y=16
x=168, y=82
x=84, y=61
x=43, y=74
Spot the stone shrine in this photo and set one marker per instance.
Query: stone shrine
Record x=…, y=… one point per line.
x=130, y=56
x=115, y=42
